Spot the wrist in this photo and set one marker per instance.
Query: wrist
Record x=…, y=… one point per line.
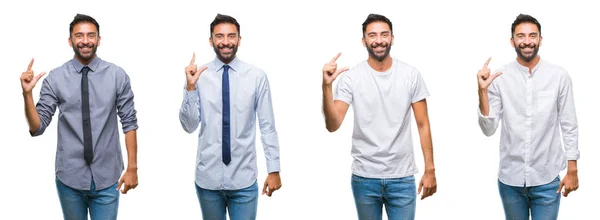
x=132, y=168
x=27, y=93
x=191, y=87
x=326, y=86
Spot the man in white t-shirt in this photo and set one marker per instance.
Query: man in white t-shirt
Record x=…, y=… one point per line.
x=382, y=90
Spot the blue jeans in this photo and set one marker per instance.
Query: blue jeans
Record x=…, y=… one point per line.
x=543, y=201
x=241, y=203
x=397, y=194
x=102, y=204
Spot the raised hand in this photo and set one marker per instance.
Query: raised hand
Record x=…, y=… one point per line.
x=330, y=71
x=28, y=80
x=483, y=76
x=192, y=74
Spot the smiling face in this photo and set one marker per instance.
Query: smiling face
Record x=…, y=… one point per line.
x=378, y=39
x=85, y=41
x=225, y=40
x=527, y=41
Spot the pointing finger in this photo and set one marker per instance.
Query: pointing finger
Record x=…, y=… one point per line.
x=495, y=75
x=341, y=70
x=30, y=65
x=193, y=59
x=487, y=62
x=336, y=57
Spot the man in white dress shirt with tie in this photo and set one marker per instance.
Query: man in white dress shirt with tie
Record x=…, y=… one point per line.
x=533, y=99
x=224, y=97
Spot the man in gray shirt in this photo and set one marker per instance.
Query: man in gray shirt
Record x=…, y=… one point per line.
x=89, y=93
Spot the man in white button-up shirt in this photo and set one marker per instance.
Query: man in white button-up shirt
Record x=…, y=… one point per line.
x=533, y=99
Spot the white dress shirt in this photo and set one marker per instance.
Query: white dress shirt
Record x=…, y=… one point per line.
x=534, y=109
x=250, y=97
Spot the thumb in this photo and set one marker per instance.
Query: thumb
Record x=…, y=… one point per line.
x=39, y=76
x=338, y=72
x=560, y=186
x=121, y=181
x=264, y=191
x=492, y=77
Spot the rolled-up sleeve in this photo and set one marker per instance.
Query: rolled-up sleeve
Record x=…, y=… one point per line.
x=266, y=120
x=489, y=123
x=46, y=106
x=125, y=106
x=568, y=119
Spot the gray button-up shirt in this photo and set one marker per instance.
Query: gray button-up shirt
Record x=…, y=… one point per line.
x=250, y=99
x=109, y=94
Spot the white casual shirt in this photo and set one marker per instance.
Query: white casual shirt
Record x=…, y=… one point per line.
x=534, y=109
x=381, y=142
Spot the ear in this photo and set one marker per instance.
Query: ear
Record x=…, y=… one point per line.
x=98, y=43
x=540, y=43
x=363, y=42
x=239, y=41
x=512, y=42
x=210, y=42
x=392, y=42
x=70, y=42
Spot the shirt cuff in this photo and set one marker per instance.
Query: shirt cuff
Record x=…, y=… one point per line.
x=273, y=166
x=491, y=114
x=191, y=96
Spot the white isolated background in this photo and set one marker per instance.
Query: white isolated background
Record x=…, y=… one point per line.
x=448, y=41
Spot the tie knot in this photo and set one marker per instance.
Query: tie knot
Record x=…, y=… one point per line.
x=225, y=68
x=85, y=70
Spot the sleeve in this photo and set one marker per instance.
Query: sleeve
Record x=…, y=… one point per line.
x=418, y=88
x=568, y=119
x=489, y=124
x=46, y=106
x=266, y=120
x=125, y=106
x=343, y=90
x=189, y=113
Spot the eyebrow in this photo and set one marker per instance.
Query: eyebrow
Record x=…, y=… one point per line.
x=383, y=32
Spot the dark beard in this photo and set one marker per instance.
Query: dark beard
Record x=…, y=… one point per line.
x=223, y=58
x=523, y=57
x=382, y=57
x=81, y=57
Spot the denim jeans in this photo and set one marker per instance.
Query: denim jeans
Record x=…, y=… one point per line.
x=542, y=201
x=242, y=203
x=102, y=204
x=397, y=194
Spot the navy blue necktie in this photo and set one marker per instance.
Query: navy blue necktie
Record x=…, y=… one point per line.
x=226, y=142
x=88, y=152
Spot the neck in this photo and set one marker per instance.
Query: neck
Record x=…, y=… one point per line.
x=380, y=66
x=531, y=64
x=84, y=62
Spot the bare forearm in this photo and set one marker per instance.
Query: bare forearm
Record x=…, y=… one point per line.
x=426, y=146
x=33, y=119
x=332, y=121
x=131, y=145
x=484, y=104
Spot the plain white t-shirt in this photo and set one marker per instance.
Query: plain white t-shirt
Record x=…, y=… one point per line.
x=381, y=141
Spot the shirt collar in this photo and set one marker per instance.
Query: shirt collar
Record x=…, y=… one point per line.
x=93, y=65
x=525, y=70
x=233, y=65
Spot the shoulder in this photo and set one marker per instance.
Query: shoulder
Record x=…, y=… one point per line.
x=251, y=70
x=554, y=68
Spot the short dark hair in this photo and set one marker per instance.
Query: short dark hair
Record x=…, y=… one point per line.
x=220, y=19
x=81, y=18
x=376, y=18
x=525, y=18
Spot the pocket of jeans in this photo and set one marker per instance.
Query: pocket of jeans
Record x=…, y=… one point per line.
x=358, y=179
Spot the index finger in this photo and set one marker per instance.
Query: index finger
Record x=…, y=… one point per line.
x=193, y=59
x=487, y=62
x=336, y=57
x=30, y=65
